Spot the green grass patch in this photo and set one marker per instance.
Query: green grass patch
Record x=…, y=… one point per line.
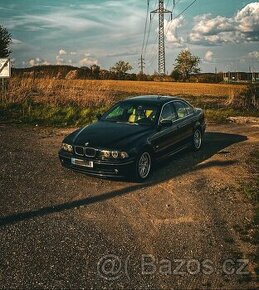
x=30, y=112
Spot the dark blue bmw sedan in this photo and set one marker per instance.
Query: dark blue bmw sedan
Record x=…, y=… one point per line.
x=129, y=137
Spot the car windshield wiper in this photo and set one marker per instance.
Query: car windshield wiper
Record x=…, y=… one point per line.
x=129, y=123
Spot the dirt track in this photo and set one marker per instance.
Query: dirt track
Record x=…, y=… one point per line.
x=56, y=226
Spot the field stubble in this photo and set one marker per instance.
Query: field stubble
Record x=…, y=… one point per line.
x=75, y=102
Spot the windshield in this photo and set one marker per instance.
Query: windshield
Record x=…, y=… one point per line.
x=132, y=113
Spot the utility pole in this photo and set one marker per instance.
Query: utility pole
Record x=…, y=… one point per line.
x=141, y=64
x=161, y=11
x=251, y=74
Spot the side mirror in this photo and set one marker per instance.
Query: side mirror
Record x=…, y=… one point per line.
x=98, y=116
x=166, y=123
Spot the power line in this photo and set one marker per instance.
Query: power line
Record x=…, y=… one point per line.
x=181, y=13
x=145, y=29
x=148, y=35
x=185, y=9
x=149, y=29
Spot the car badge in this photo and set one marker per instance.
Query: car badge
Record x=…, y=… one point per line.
x=87, y=143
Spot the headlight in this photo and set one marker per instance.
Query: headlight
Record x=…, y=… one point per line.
x=124, y=155
x=67, y=147
x=114, y=154
x=106, y=153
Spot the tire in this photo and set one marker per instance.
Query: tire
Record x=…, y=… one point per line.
x=143, y=166
x=197, y=139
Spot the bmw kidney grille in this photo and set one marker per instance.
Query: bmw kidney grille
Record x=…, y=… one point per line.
x=87, y=151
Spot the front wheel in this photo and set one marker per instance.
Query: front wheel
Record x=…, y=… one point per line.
x=143, y=166
x=197, y=139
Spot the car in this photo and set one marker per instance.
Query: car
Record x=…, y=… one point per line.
x=132, y=135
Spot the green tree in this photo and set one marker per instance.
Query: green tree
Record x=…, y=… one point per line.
x=5, y=41
x=95, y=69
x=121, y=67
x=175, y=75
x=186, y=64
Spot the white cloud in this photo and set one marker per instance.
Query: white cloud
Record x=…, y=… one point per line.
x=36, y=61
x=76, y=58
x=68, y=19
x=16, y=41
x=62, y=52
x=59, y=60
x=171, y=31
x=254, y=54
x=208, y=56
x=87, y=61
x=242, y=27
x=248, y=18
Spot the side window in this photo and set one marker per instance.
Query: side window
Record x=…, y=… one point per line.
x=168, y=113
x=182, y=109
x=189, y=109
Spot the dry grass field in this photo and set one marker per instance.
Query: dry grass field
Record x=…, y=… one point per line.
x=76, y=102
x=97, y=92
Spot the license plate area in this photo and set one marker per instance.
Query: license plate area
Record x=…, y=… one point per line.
x=83, y=163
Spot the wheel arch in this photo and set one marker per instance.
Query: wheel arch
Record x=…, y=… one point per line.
x=197, y=125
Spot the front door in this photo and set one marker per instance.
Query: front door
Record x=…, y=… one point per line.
x=163, y=141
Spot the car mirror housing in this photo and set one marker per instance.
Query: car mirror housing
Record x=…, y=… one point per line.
x=166, y=123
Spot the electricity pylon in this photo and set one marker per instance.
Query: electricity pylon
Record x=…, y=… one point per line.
x=141, y=65
x=161, y=11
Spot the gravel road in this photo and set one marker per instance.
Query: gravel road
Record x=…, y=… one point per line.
x=61, y=229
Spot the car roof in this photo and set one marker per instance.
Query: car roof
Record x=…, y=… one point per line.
x=157, y=99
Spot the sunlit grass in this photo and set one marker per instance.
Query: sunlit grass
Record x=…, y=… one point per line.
x=76, y=102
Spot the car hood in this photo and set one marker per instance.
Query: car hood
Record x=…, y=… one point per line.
x=109, y=135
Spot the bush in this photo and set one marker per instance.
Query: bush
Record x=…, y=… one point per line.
x=249, y=99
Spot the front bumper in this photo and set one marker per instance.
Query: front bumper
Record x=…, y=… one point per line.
x=119, y=169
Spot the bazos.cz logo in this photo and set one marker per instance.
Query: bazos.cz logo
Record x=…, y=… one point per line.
x=113, y=267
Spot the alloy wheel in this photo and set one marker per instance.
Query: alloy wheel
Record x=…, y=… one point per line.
x=144, y=165
x=197, y=139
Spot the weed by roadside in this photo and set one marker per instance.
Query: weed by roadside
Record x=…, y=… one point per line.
x=30, y=112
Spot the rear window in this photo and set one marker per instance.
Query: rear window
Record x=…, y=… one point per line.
x=183, y=109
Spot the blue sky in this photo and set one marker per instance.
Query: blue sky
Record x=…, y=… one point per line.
x=223, y=33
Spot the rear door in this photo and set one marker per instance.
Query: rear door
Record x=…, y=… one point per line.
x=185, y=120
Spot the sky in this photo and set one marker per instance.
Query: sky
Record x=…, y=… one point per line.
x=223, y=33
